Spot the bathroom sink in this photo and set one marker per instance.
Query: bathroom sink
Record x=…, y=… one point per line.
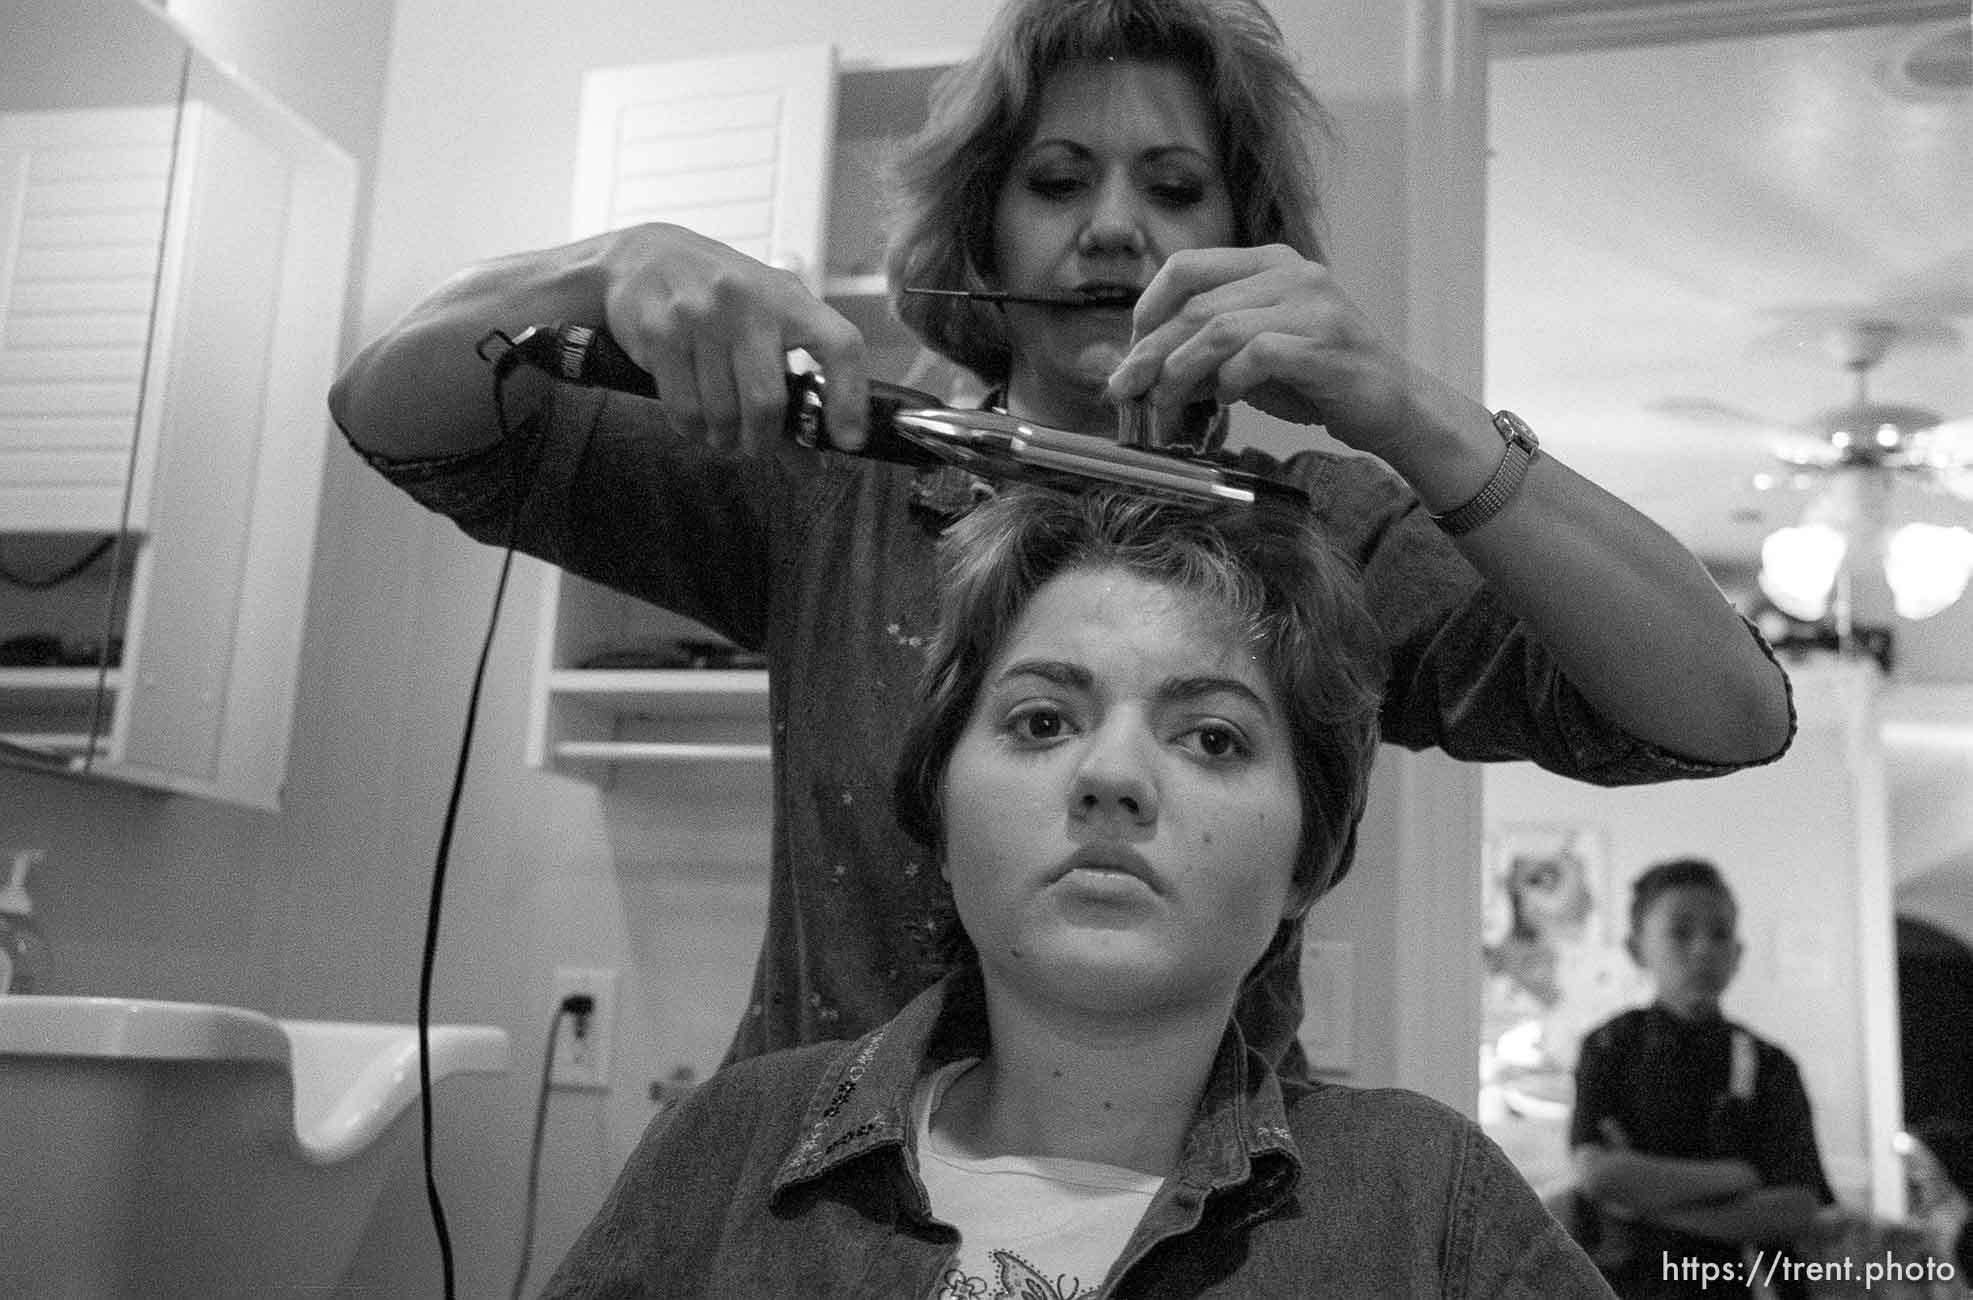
x=183, y=1148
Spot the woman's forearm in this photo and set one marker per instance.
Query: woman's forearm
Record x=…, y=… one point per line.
x=421, y=388
x=1632, y=618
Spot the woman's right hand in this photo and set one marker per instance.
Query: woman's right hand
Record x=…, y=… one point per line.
x=714, y=328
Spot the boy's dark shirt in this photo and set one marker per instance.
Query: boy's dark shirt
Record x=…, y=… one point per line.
x=1666, y=1081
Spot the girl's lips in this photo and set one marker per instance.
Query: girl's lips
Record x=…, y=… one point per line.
x=1111, y=859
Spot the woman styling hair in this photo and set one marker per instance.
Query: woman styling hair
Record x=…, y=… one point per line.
x=1131, y=156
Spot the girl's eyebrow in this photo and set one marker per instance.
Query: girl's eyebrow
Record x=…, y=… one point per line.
x=1058, y=672
x=1074, y=676
x=1193, y=688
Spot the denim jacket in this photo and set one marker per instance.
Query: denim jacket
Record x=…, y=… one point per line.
x=795, y=1174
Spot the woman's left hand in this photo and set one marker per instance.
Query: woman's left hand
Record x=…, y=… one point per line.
x=1624, y=608
x=1269, y=327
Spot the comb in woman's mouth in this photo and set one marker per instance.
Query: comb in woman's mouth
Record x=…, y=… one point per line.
x=1087, y=297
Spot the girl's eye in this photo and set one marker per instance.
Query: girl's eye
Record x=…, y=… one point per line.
x=1037, y=724
x=1215, y=740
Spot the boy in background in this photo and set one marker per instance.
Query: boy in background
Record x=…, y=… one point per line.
x=1691, y=1136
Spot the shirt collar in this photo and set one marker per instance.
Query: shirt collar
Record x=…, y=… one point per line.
x=862, y=1103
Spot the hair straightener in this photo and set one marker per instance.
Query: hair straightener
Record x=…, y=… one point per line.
x=913, y=428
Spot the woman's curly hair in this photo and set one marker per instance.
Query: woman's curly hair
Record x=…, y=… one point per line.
x=946, y=179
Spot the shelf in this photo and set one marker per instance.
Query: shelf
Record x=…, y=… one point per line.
x=679, y=715
x=735, y=690
x=659, y=751
x=58, y=681
x=57, y=749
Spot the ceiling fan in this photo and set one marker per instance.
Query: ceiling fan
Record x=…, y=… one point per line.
x=1878, y=472
x=1895, y=437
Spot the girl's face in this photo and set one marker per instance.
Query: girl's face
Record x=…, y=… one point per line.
x=1122, y=172
x=1121, y=812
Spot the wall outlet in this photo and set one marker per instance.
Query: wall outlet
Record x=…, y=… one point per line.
x=582, y=1044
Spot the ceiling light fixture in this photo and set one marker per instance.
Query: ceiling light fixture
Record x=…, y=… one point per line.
x=1867, y=449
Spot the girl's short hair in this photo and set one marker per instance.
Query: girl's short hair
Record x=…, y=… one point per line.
x=946, y=180
x=1283, y=588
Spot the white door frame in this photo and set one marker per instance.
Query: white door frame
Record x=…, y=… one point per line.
x=1450, y=43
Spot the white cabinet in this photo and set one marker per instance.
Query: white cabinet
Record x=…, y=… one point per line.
x=776, y=153
x=214, y=417
x=83, y=193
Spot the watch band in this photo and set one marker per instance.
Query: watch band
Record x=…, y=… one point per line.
x=1491, y=499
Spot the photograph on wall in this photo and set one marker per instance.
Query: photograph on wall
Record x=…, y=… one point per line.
x=1552, y=945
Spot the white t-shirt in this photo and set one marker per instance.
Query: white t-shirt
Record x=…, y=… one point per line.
x=1029, y=1227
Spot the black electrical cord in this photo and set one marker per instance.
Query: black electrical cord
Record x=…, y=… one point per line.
x=429, y=959
x=74, y=569
x=577, y=1005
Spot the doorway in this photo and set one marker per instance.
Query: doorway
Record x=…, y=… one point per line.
x=1633, y=261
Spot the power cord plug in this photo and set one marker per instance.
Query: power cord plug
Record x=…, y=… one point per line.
x=576, y=1008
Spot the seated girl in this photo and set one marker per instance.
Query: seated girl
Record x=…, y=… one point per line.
x=1140, y=752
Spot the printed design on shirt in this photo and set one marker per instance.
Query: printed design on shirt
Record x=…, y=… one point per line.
x=1015, y=1279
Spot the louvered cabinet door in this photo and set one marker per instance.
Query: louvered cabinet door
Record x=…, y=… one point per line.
x=83, y=194
x=735, y=148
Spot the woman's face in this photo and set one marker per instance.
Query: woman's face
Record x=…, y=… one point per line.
x=1122, y=172
x=1121, y=812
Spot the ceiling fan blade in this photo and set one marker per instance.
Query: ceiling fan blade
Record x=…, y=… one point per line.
x=1949, y=439
x=1937, y=292
x=1915, y=324
x=1704, y=410
x=1948, y=448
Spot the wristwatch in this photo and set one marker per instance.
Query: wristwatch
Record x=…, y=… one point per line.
x=1522, y=447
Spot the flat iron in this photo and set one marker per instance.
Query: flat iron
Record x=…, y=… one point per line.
x=913, y=428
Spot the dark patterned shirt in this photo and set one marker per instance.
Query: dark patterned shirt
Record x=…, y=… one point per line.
x=1670, y=1084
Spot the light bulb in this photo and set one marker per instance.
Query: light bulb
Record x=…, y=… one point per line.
x=1798, y=569
x=1927, y=566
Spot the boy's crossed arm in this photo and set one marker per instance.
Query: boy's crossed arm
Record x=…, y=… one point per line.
x=1719, y=1198
x=1638, y=1184
x=1764, y=1214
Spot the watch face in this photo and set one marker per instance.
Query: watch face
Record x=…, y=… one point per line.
x=1514, y=429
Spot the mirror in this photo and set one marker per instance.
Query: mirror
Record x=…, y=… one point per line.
x=1678, y=232
x=173, y=250
x=90, y=100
